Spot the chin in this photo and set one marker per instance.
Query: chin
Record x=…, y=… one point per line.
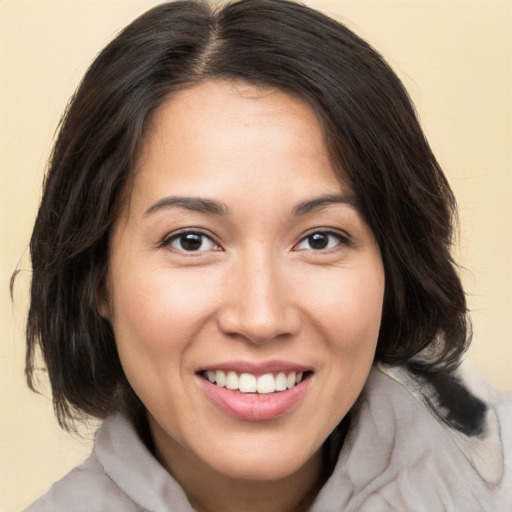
x=260, y=464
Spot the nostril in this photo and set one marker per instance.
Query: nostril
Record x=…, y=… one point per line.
x=259, y=326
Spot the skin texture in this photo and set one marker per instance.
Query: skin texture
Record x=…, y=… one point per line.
x=254, y=290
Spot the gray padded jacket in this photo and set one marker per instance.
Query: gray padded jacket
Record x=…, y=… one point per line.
x=410, y=447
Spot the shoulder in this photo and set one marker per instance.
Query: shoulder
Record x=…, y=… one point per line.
x=86, y=488
x=451, y=435
x=121, y=474
x=469, y=413
x=417, y=444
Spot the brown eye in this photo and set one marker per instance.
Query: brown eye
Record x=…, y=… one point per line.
x=320, y=241
x=191, y=242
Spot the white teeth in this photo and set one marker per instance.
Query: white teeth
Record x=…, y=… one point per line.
x=280, y=381
x=266, y=383
x=232, y=380
x=248, y=383
x=290, y=380
x=220, y=378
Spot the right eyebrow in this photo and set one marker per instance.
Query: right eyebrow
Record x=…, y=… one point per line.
x=346, y=197
x=196, y=204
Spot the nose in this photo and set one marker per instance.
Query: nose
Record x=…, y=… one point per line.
x=259, y=305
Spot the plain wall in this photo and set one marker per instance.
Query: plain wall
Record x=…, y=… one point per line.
x=456, y=61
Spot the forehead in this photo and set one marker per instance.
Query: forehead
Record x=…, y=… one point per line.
x=219, y=134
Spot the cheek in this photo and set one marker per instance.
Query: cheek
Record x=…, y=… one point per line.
x=347, y=306
x=351, y=325
x=157, y=315
x=360, y=309
x=159, y=312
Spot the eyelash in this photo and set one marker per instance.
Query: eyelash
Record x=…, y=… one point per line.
x=329, y=234
x=168, y=241
x=341, y=239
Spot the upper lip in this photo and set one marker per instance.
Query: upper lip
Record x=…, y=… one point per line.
x=256, y=368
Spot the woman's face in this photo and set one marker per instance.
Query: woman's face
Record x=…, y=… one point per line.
x=241, y=261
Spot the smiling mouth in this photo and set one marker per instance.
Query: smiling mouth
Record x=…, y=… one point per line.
x=249, y=383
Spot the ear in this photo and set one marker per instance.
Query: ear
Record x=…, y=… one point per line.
x=103, y=299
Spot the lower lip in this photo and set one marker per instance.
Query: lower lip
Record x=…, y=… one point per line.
x=254, y=406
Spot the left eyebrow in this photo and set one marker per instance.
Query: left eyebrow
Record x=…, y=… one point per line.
x=317, y=203
x=196, y=204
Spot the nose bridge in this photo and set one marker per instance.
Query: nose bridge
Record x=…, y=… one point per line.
x=258, y=306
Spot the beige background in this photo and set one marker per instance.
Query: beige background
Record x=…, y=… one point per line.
x=456, y=60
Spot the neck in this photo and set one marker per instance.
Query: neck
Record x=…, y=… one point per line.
x=217, y=491
x=291, y=494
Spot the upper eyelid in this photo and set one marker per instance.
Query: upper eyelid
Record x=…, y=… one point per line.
x=343, y=240
x=343, y=237
x=167, y=239
x=185, y=231
x=328, y=231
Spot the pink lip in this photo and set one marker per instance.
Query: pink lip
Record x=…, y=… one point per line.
x=253, y=406
x=273, y=366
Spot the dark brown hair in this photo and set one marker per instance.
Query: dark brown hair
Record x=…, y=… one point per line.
x=372, y=133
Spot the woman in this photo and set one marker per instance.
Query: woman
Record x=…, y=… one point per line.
x=242, y=264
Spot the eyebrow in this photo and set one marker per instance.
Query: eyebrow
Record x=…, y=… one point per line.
x=211, y=206
x=348, y=198
x=195, y=204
